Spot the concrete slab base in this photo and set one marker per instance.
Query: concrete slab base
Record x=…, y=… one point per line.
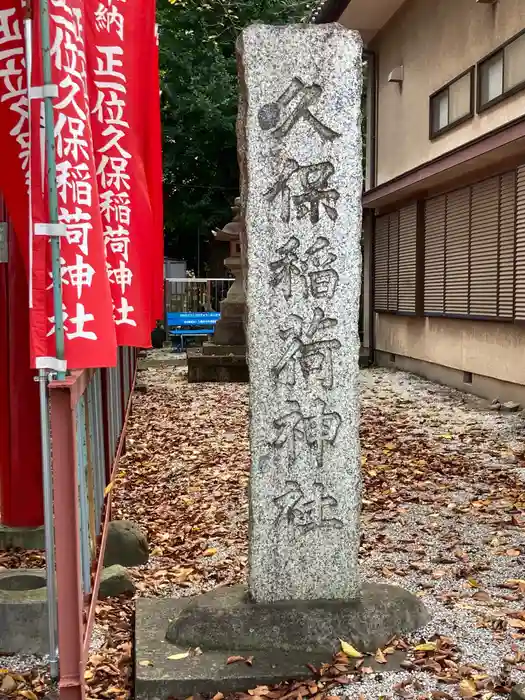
x=217, y=368
x=157, y=677
x=167, y=360
x=518, y=692
x=223, y=623
x=21, y=538
x=213, y=349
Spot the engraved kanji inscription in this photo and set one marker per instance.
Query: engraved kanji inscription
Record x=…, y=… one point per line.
x=315, y=511
x=297, y=432
x=308, y=188
x=287, y=267
x=317, y=265
x=293, y=105
x=307, y=348
x=313, y=270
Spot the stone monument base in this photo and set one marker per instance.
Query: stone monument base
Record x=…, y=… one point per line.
x=282, y=638
x=226, y=618
x=218, y=363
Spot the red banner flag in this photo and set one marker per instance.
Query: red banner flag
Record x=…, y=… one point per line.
x=153, y=158
x=120, y=49
x=87, y=311
x=14, y=116
x=109, y=172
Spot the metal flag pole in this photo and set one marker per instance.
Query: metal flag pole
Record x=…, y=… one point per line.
x=47, y=475
x=49, y=524
x=52, y=180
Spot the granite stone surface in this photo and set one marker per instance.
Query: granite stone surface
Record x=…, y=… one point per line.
x=126, y=545
x=300, y=156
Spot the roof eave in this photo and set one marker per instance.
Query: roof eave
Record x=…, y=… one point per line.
x=329, y=11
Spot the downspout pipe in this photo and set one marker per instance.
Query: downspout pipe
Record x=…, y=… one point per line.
x=370, y=182
x=371, y=108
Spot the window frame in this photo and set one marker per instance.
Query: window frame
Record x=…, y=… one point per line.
x=434, y=134
x=506, y=94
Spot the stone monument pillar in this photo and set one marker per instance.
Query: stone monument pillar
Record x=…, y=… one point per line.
x=300, y=154
x=224, y=359
x=302, y=190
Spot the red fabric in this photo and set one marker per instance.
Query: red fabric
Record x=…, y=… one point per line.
x=153, y=158
x=121, y=81
x=21, y=474
x=97, y=302
x=20, y=458
x=14, y=123
x=109, y=173
x=88, y=319
x=5, y=422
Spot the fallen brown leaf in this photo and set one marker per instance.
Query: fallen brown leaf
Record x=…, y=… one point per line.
x=235, y=659
x=380, y=657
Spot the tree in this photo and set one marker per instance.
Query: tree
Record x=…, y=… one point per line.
x=199, y=109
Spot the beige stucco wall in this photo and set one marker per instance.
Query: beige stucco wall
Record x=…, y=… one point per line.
x=436, y=40
x=487, y=349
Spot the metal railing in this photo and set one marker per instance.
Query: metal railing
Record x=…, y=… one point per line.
x=89, y=411
x=195, y=294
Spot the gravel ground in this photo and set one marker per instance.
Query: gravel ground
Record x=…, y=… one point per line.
x=434, y=410
x=21, y=663
x=442, y=517
x=440, y=539
x=458, y=545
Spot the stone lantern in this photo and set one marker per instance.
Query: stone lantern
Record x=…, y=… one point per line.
x=230, y=328
x=224, y=359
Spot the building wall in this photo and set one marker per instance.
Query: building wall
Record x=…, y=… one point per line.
x=487, y=349
x=435, y=41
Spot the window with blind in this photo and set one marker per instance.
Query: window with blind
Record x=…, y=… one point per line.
x=519, y=258
x=452, y=105
x=502, y=74
x=470, y=249
x=395, y=254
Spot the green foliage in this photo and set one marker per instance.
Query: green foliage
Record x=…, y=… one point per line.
x=199, y=108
